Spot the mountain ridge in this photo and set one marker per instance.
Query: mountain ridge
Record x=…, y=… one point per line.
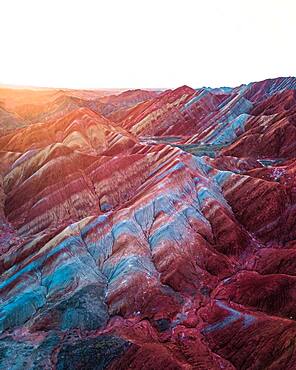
x=150, y=230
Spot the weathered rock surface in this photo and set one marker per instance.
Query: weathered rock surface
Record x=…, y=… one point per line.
x=149, y=230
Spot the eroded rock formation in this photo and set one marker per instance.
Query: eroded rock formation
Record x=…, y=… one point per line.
x=149, y=229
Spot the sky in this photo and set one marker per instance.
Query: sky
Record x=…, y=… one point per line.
x=145, y=43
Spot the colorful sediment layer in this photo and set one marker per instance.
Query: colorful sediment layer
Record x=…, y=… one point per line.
x=148, y=229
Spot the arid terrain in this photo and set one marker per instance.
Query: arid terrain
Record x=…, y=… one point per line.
x=148, y=229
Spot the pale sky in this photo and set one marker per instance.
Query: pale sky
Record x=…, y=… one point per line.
x=145, y=43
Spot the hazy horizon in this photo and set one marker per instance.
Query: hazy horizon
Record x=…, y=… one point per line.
x=122, y=89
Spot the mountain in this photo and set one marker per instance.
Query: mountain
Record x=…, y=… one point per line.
x=149, y=229
x=9, y=121
x=39, y=104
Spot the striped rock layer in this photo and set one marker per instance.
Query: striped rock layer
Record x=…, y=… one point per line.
x=149, y=229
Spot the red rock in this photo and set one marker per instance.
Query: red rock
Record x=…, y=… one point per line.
x=148, y=229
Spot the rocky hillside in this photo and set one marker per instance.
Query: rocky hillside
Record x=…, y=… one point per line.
x=149, y=229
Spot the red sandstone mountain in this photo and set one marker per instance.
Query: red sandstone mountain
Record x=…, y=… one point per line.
x=149, y=230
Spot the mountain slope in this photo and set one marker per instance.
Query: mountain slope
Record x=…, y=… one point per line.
x=152, y=230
